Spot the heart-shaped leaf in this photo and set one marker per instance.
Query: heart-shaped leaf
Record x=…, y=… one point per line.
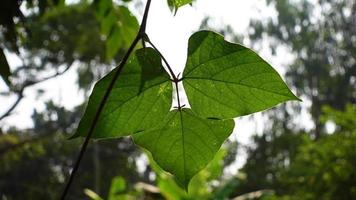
x=185, y=143
x=226, y=80
x=222, y=80
x=140, y=98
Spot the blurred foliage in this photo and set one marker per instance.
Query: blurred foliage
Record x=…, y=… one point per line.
x=322, y=38
x=201, y=187
x=49, y=37
x=293, y=163
x=42, y=157
x=53, y=34
x=12, y=26
x=320, y=163
x=118, y=26
x=295, y=166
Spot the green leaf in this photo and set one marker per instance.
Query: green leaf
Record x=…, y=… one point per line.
x=225, y=80
x=124, y=27
x=167, y=186
x=222, y=81
x=117, y=188
x=140, y=98
x=184, y=143
x=92, y=195
x=175, y=4
x=4, y=67
x=118, y=25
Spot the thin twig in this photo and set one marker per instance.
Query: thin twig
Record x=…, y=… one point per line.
x=139, y=36
x=14, y=105
x=27, y=84
x=24, y=68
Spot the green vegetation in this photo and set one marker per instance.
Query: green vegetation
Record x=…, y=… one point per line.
x=285, y=162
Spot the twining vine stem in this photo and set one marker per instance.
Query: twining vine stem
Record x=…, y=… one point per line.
x=140, y=35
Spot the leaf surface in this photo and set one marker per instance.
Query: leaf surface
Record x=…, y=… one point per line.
x=222, y=80
x=175, y=4
x=185, y=143
x=225, y=80
x=118, y=25
x=140, y=98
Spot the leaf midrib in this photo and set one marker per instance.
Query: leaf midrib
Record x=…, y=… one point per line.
x=183, y=146
x=234, y=83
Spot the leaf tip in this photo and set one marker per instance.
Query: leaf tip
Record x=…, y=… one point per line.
x=75, y=135
x=295, y=98
x=184, y=184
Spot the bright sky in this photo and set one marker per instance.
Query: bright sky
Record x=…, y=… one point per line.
x=170, y=34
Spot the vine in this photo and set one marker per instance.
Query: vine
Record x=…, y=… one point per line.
x=140, y=36
x=222, y=80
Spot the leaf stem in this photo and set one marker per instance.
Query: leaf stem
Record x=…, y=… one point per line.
x=141, y=33
x=178, y=99
x=174, y=77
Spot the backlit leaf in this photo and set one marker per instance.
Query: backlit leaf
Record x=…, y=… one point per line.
x=141, y=97
x=175, y=4
x=185, y=143
x=226, y=80
x=222, y=80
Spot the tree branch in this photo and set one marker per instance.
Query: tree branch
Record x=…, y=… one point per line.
x=141, y=33
x=27, y=84
x=14, y=105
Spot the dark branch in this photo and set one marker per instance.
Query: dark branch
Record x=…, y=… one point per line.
x=27, y=84
x=14, y=105
x=119, y=68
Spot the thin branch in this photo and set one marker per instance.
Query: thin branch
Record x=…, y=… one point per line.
x=139, y=36
x=24, y=68
x=14, y=105
x=27, y=84
x=31, y=83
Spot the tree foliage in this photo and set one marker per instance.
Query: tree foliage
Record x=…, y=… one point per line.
x=291, y=163
x=311, y=164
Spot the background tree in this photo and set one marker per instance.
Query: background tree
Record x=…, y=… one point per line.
x=51, y=38
x=295, y=163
